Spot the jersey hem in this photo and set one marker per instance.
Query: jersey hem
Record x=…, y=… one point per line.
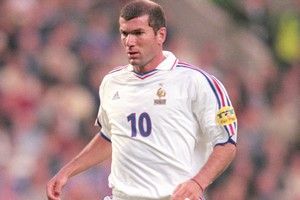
x=230, y=140
x=104, y=136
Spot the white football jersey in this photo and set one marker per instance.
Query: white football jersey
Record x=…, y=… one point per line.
x=163, y=125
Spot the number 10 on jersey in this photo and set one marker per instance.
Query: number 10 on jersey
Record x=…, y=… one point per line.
x=143, y=122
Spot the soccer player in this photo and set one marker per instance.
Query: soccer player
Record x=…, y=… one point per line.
x=169, y=127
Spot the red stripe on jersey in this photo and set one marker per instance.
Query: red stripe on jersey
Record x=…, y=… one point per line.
x=219, y=91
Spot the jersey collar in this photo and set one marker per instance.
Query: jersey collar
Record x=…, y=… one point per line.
x=167, y=64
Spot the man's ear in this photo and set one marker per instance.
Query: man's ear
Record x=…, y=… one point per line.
x=161, y=35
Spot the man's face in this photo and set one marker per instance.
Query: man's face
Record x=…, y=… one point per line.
x=140, y=41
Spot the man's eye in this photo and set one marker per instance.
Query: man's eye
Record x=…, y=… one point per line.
x=137, y=33
x=124, y=33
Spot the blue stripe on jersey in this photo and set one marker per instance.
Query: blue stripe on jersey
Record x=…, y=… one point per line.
x=104, y=136
x=213, y=88
x=98, y=122
x=207, y=78
x=219, y=92
x=230, y=140
x=146, y=74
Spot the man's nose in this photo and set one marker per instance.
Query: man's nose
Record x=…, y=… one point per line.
x=130, y=40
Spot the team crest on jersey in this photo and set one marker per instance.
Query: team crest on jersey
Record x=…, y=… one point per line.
x=226, y=116
x=161, y=93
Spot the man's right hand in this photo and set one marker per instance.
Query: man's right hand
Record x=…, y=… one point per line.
x=87, y=158
x=55, y=185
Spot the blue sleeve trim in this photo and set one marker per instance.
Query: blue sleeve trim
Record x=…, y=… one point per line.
x=98, y=122
x=104, y=136
x=230, y=140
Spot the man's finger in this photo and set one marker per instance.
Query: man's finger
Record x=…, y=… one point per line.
x=178, y=193
x=57, y=189
x=52, y=192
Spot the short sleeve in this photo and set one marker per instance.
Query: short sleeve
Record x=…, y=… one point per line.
x=214, y=112
x=102, y=119
x=102, y=122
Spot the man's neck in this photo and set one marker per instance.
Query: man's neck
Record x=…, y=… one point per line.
x=150, y=66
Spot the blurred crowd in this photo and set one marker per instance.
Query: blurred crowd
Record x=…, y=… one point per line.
x=54, y=54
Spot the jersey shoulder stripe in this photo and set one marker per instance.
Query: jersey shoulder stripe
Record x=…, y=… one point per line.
x=215, y=84
x=219, y=92
x=116, y=69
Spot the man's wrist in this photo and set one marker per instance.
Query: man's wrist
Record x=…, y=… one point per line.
x=200, y=186
x=67, y=171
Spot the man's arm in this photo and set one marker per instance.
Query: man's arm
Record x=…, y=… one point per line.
x=94, y=153
x=217, y=162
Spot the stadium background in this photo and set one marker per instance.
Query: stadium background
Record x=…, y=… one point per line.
x=54, y=53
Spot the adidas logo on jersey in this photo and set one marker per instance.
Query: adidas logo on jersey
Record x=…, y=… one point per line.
x=116, y=96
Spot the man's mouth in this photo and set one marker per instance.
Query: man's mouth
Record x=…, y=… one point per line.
x=132, y=54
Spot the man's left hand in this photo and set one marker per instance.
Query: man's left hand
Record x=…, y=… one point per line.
x=188, y=190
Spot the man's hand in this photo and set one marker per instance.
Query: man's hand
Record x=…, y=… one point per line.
x=93, y=153
x=55, y=185
x=188, y=190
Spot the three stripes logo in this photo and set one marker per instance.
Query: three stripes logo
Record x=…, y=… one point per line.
x=116, y=96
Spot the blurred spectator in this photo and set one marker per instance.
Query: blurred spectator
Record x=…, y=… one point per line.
x=291, y=178
x=287, y=33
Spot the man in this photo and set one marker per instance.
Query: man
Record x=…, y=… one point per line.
x=169, y=127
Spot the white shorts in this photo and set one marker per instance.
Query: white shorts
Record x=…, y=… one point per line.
x=121, y=196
